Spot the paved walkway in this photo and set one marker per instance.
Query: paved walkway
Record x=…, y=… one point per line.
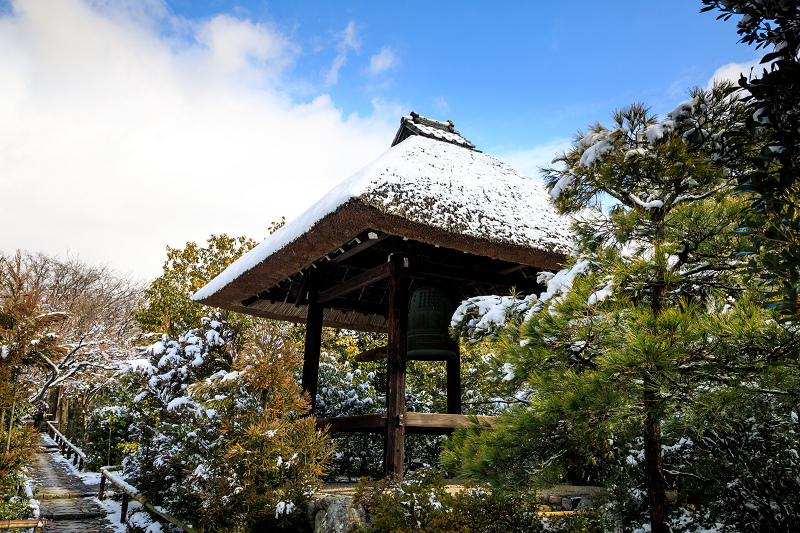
x=67, y=503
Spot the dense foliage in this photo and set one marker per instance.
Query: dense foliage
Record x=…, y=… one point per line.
x=421, y=502
x=168, y=307
x=773, y=179
x=26, y=342
x=221, y=439
x=651, y=332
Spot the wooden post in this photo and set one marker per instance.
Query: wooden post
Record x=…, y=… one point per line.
x=102, y=494
x=454, y=383
x=124, y=510
x=313, y=341
x=394, y=446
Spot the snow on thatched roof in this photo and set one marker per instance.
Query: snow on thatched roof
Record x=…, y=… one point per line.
x=419, y=189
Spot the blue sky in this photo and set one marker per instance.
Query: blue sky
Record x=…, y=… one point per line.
x=132, y=124
x=509, y=74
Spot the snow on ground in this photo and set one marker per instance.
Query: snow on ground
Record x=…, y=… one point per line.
x=90, y=478
x=114, y=508
x=93, y=478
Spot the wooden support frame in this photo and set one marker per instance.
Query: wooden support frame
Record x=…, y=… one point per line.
x=362, y=280
x=375, y=354
x=371, y=423
x=428, y=423
x=358, y=248
x=313, y=343
x=394, y=445
x=454, y=382
x=433, y=270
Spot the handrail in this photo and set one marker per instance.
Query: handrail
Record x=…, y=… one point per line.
x=130, y=492
x=37, y=524
x=63, y=442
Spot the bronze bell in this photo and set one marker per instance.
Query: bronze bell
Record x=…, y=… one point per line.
x=429, y=313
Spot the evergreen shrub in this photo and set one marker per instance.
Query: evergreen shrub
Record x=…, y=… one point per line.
x=421, y=502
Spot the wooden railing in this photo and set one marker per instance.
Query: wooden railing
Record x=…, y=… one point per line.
x=37, y=524
x=66, y=447
x=129, y=492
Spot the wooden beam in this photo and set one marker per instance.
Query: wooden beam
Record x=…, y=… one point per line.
x=371, y=423
x=430, y=423
x=313, y=343
x=358, y=306
x=445, y=422
x=369, y=243
x=374, y=354
x=454, y=382
x=433, y=270
x=394, y=445
x=362, y=280
x=301, y=291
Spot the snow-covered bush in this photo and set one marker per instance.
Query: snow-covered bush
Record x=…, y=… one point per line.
x=107, y=441
x=420, y=502
x=226, y=441
x=346, y=389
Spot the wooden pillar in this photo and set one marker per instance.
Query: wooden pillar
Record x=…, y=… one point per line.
x=454, y=382
x=313, y=343
x=394, y=446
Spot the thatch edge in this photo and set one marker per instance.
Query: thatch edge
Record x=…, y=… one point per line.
x=341, y=226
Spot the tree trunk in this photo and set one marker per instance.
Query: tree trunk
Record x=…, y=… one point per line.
x=653, y=463
x=653, y=466
x=10, y=425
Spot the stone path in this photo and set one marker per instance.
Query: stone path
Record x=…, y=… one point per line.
x=67, y=503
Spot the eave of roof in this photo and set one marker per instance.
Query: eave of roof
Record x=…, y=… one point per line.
x=420, y=189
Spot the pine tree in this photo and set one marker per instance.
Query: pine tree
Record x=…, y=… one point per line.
x=635, y=325
x=773, y=219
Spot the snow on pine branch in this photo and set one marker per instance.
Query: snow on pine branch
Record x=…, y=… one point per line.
x=484, y=316
x=595, y=145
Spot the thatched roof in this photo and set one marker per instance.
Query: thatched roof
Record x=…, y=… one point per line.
x=448, y=204
x=415, y=124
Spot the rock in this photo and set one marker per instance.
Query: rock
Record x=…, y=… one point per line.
x=334, y=515
x=566, y=503
x=585, y=502
x=555, y=500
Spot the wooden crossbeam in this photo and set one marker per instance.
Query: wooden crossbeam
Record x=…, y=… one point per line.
x=362, y=280
x=358, y=306
x=359, y=248
x=372, y=423
x=438, y=423
x=374, y=354
x=427, y=269
x=432, y=423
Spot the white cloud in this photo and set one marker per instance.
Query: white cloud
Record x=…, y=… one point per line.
x=440, y=104
x=349, y=40
x=733, y=71
x=118, y=140
x=528, y=161
x=382, y=61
